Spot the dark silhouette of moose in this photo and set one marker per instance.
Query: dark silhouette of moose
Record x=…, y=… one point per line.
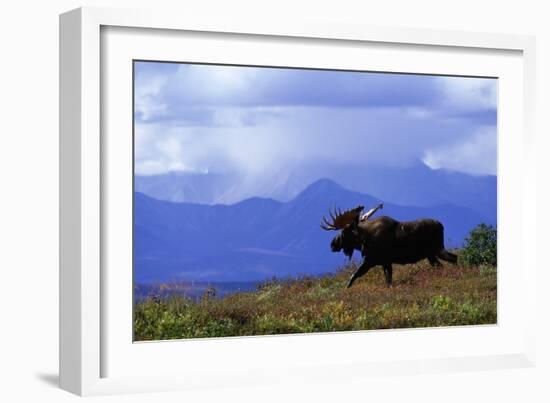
x=384, y=241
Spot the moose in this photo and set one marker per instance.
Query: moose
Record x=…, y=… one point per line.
x=384, y=241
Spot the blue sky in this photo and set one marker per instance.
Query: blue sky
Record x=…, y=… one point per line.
x=203, y=118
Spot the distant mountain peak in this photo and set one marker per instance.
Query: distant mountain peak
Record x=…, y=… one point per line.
x=412, y=185
x=323, y=185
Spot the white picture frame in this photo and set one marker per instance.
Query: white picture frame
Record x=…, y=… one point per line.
x=87, y=326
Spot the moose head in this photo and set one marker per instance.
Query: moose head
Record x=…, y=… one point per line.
x=348, y=223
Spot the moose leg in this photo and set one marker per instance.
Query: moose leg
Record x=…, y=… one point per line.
x=388, y=272
x=434, y=262
x=362, y=270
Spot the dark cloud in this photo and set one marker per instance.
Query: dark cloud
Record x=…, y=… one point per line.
x=179, y=87
x=218, y=117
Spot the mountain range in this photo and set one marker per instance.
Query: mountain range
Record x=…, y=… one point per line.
x=415, y=185
x=258, y=238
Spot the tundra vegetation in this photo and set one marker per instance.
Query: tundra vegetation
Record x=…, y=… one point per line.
x=421, y=296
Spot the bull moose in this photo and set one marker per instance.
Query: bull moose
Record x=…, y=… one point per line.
x=384, y=241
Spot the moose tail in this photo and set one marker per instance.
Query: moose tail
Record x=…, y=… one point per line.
x=447, y=256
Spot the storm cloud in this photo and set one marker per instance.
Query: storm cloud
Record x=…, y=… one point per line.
x=202, y=118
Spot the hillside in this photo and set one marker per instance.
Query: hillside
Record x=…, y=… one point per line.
x=422, y=296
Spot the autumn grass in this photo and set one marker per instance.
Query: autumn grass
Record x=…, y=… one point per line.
x=421, y=296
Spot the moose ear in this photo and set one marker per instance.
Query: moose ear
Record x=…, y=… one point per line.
x=356, y=221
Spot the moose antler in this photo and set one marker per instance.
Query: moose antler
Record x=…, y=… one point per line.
x=373, y=210
x=339, y=219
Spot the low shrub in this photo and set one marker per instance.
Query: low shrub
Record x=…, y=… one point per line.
x=480, y=247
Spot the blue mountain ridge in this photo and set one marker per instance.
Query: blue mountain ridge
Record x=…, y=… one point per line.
x=259, y=238
x=413, y=185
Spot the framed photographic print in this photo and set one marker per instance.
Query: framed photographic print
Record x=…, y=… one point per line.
x=234, y=166
x=235, y=199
